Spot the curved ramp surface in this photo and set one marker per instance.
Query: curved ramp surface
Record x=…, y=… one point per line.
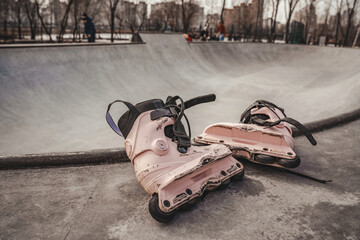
x=55, y=98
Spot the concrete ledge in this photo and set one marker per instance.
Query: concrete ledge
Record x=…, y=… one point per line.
x=106, y=156
x=103, y=156
x=331, y=122
x=50, y=45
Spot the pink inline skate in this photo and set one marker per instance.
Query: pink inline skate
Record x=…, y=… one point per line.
x=263, y=136
x=167, y=166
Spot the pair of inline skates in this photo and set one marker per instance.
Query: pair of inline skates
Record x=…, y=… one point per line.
x=176, y=172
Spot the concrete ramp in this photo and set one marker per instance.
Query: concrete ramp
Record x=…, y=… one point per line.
x=54, y=98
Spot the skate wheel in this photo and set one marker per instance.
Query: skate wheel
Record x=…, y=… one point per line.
x=289, y=163
x=238, y=176
x=156, y=212
x=261, y=158
x=224, y=184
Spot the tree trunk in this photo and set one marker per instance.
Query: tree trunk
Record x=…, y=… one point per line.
x=43, y=25
x=348, y=27
x=31, y=19
x=356, y=37
x=222, y=12
x=76, y=4
x=273, y=27
x=112, y=24
x=5, y=25
x=113, y=6
x=287, y=30
x=337, y=29
x=258, y=25
x=350, y=12
x=18, y=14
x=183, y=16
x=136, y=38
x=64, y=21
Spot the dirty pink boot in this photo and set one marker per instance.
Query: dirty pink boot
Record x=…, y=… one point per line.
x=264, y=136
x=172, y=171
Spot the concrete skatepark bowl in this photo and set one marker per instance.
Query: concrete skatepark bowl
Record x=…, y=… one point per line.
x=53, y=99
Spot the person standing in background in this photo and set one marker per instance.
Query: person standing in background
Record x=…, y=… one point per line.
x=89, y=27
x=221, y=31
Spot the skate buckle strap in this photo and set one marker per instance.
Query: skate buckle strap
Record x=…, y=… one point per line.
x=246, y=115
x=295, y=123
x=182, y=138
x=163, y=112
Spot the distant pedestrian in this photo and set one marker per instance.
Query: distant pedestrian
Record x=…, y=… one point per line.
x=89, y=27
x=205, y=32
x=220, y=30
x=188, y=38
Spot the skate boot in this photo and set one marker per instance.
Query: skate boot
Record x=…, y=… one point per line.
x=263, y=136
x=172, y=171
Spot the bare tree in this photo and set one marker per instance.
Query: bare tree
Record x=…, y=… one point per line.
x=91, y=7
x=325, y=26
x=309, y=20
x=76, y=6
x=188, y=10
x=258, y=23
x=166, y=13
x=30, y=9
x=5, y=11
x=135, y=18
x=222, y=12
x=64, y=21
x=112, y=5
x=356, y=37
x=120, y=21
x=339, y=6
x=244, y=20
x=17, y=6
x=291, y=5
x=172, y=15
x=37, y=4
x=274, y=12
x=350, y=16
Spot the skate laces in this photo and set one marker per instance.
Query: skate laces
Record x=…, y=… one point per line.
x=178, y=129
x=247, y=117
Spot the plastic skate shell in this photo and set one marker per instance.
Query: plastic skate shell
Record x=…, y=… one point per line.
x=166, y=164
x=176, y=177
x=246, y=140
x=265, y=138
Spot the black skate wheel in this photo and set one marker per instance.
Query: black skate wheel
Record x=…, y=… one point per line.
x=266, y=159
x=156, y=212
x=238, y=176
x=289, y=163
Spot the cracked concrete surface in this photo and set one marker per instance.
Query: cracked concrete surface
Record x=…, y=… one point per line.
x=105, y=201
